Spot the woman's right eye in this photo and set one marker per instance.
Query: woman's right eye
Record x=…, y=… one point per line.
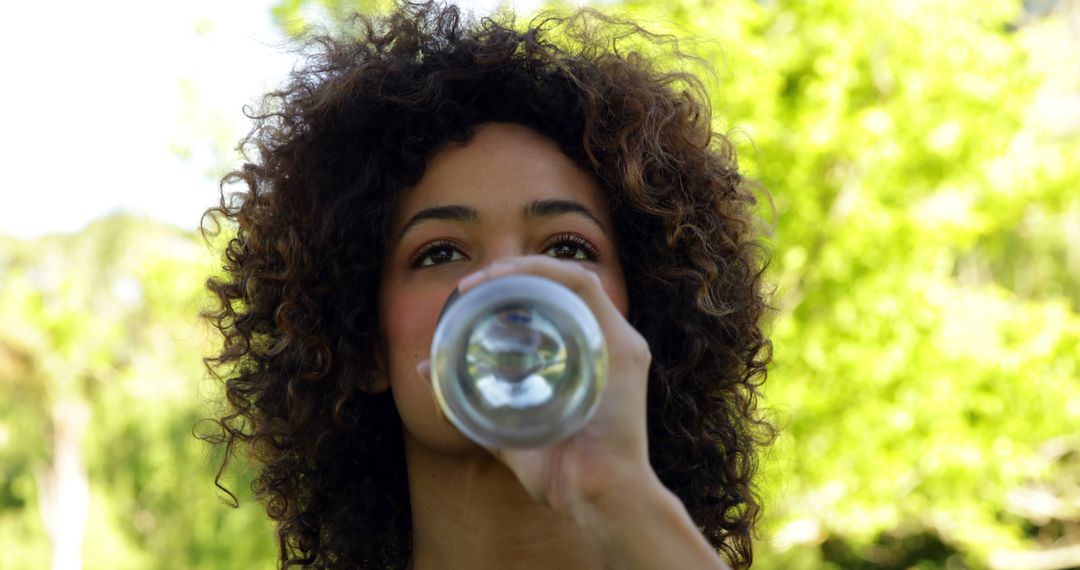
x=436, y=254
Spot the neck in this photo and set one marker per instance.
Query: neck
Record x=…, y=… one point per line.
x=470, y=511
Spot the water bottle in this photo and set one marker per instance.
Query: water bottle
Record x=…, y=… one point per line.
x=518, y=361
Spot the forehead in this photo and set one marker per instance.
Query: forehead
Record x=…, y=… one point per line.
x=501, y=167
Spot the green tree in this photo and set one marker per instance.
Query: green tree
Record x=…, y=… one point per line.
x=925, y=347
x=100, y=347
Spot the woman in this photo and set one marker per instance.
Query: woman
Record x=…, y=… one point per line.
x=423, y=154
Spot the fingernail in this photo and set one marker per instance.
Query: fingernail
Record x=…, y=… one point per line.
x=424, y=368
x=470, y=280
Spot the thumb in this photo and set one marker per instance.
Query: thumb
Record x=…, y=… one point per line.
x=424, y=370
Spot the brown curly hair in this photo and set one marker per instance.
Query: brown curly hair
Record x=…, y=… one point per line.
x=327, y=160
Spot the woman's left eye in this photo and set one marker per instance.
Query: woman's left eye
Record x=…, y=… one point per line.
x=570, y=246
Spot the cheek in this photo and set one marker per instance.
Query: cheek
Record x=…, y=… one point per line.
x=614, y=284
x=617, y=293
x=409, y=325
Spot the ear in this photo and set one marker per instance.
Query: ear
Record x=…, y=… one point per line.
x=380, y=376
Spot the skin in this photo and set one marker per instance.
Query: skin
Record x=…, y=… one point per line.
x=589, y=501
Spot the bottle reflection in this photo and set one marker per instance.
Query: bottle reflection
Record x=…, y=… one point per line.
x=517, y=358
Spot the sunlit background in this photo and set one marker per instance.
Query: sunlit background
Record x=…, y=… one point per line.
x=923, y=160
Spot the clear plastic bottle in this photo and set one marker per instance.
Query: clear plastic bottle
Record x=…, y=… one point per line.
x=518, y=361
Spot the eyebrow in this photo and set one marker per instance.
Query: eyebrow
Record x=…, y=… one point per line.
x=535, y=209
x=454, y=213
x=549, y=208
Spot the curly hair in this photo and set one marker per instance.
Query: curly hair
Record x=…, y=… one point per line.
x=325, y=164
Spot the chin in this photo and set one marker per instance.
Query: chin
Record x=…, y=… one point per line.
x=425, y=425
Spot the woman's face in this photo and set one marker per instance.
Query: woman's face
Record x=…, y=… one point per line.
x=507, y=192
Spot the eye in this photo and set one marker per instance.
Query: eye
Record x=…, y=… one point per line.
x=436, y=253
x=571, y=246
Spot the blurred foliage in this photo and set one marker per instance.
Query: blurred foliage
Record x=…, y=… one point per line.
x=925, y=258
x=922, y=160
x=108, y=318
x=295, y=17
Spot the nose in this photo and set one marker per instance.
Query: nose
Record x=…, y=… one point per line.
x=502, y=250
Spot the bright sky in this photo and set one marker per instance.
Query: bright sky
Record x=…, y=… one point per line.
x=101, y=98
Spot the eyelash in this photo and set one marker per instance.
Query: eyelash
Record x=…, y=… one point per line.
x=416, y=258
x=591, y=253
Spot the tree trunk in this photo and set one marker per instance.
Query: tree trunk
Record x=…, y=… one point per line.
x=65, y=487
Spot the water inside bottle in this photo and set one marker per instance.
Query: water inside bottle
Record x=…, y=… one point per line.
x=516, y=357
x=519, y=361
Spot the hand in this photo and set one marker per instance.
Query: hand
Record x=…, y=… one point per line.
x=610, y=453
x=601, y=476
